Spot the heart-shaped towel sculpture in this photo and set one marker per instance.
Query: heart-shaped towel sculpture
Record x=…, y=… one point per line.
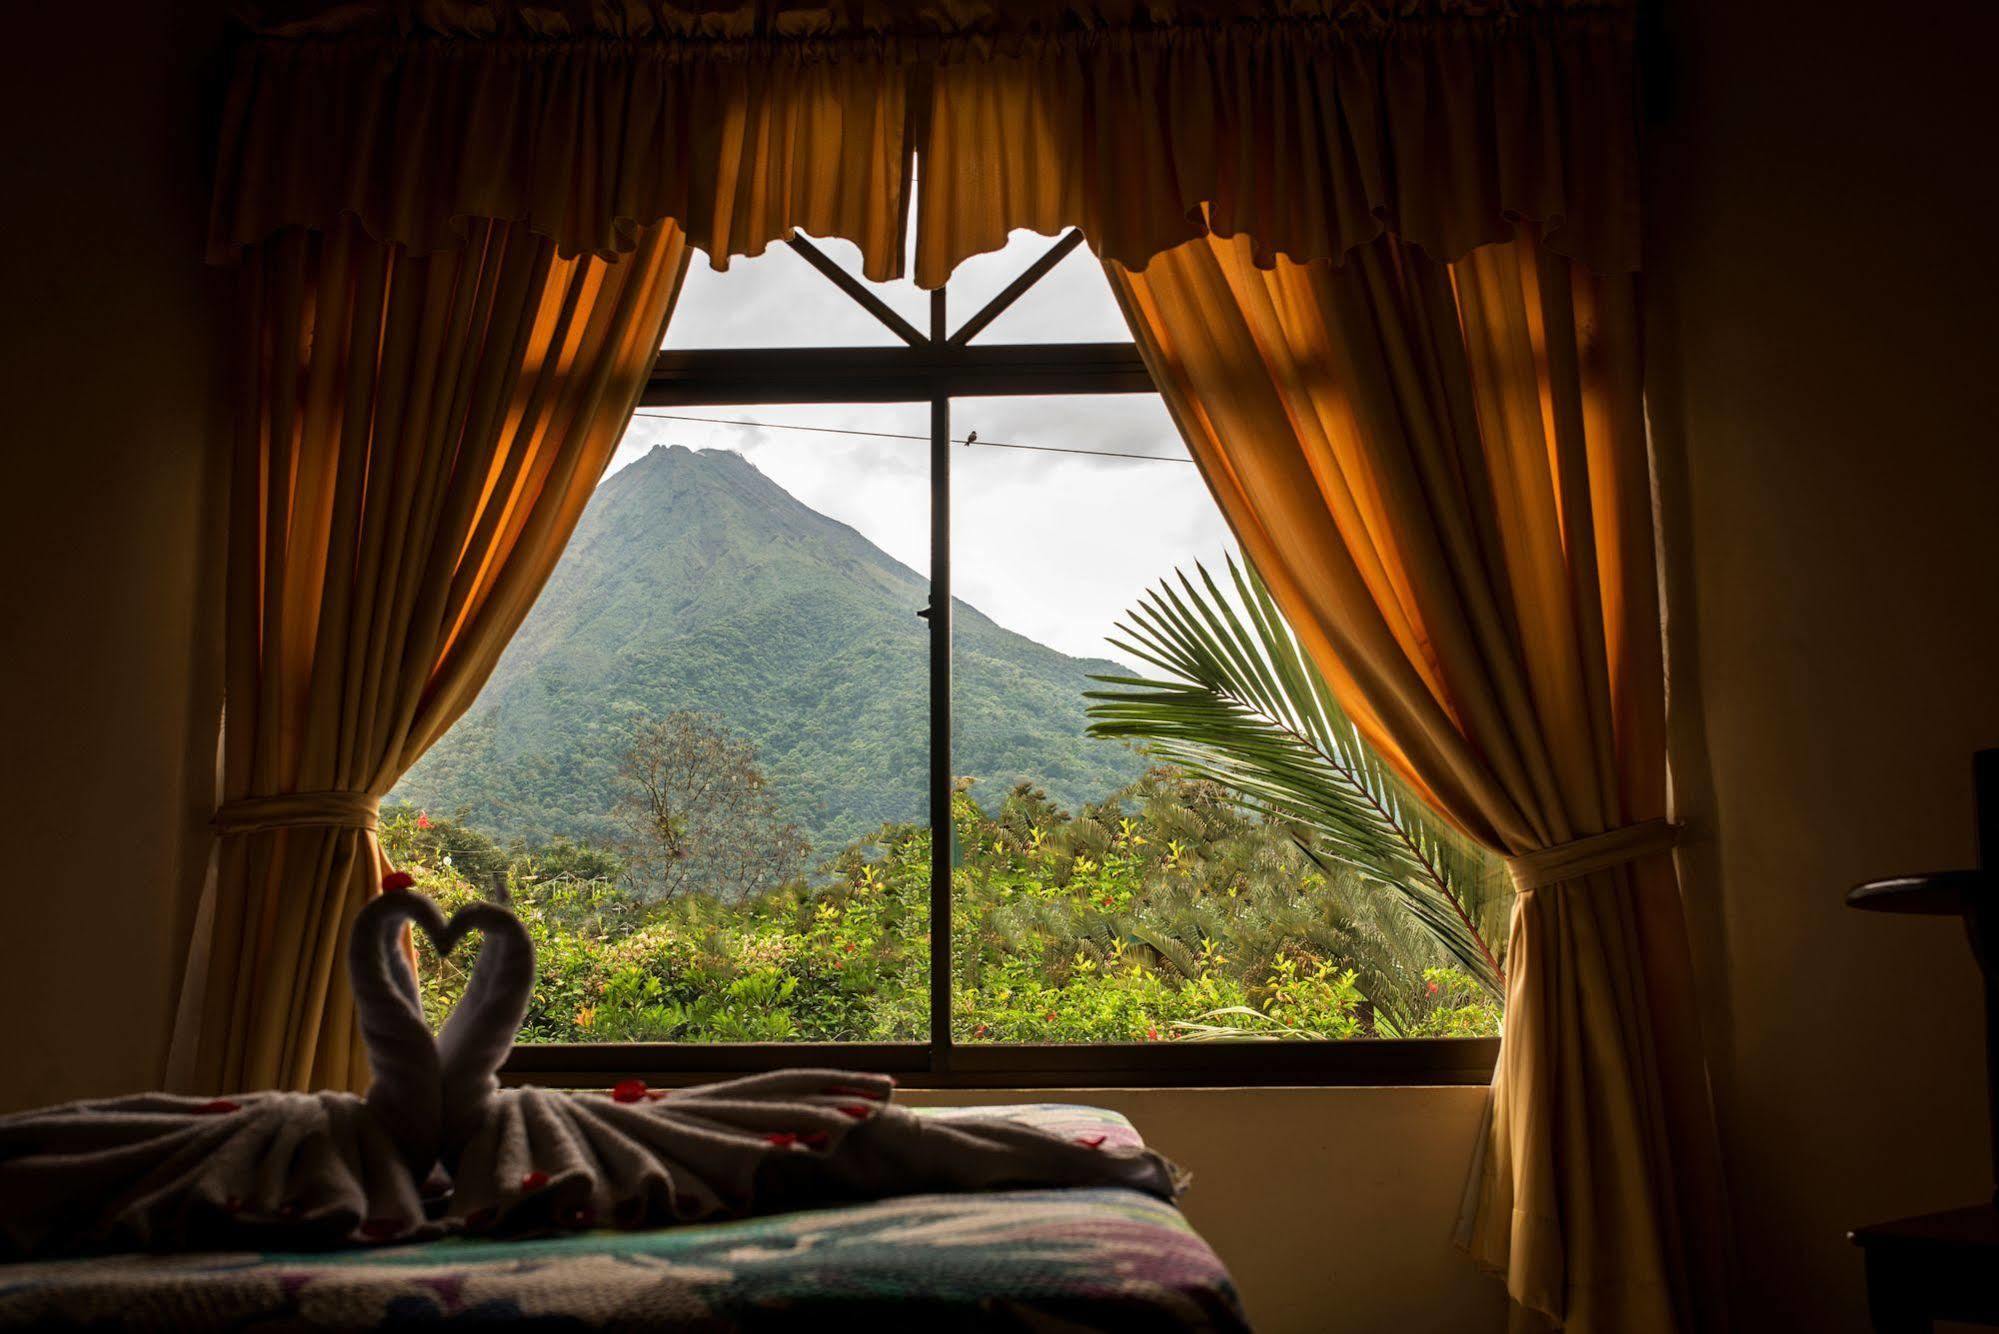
x=437, y=1146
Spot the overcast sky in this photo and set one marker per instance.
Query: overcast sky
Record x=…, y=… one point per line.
x=1054, y=546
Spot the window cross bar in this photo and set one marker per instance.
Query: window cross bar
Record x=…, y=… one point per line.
x=853, y=287
x=1012, y=292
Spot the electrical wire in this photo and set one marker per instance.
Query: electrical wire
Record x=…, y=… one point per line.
x=897, y=435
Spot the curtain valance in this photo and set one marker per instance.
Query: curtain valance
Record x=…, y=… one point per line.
x=1308, y=128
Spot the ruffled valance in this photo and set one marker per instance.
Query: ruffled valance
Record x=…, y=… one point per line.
x=587, y=142
x=1309, y=126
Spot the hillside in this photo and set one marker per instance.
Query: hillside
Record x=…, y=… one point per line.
x=695, y=582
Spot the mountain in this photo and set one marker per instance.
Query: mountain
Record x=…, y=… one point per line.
x=695, y=582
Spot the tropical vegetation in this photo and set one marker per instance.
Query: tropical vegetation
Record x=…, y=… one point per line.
x=1163, y=913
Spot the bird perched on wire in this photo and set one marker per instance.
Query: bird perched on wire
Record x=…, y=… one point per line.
x=971, y=438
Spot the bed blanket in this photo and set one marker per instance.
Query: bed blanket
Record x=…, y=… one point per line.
x=1056, y=1260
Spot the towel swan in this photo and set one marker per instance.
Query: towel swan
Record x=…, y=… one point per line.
x=158, y=1171
x=437, y=1145
x=526, y=1159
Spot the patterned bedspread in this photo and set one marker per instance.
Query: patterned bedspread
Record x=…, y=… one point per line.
x=1055, y=1260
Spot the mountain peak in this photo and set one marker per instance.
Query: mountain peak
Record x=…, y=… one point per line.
x=679, y=457
x=694, y=581
x=665, y=479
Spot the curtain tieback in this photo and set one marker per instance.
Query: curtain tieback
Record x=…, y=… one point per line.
x=1598, y=852
x=299, y=810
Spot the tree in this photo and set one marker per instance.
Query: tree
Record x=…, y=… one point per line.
x=697, y=815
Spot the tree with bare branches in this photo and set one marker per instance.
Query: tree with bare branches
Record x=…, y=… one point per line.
x=697, y=813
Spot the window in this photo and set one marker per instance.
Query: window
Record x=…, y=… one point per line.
x=857, y=563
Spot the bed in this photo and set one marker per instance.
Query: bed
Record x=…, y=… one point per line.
x=1056, y=1260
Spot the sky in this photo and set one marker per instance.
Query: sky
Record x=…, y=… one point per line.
x=1053, y=546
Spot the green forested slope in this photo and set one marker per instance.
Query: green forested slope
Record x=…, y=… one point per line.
x=694, y=582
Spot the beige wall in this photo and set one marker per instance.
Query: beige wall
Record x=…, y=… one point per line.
x=1824, y=279
x=1333, y=1208
x=107, y=638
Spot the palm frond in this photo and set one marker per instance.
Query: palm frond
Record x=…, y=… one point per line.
x=1239, y=703
x=1173, y=953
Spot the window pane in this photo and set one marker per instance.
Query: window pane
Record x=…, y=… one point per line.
x=1071, y=303
x=1103, y=895
x=701, y=767
x=779, y=300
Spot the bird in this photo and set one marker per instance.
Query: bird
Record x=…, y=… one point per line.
x=971, y=438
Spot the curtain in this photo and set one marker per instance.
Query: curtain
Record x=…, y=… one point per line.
x=418, y=434
x=586, y=136
x=1307, y=129
x=1307, y=126
x=1441, y=470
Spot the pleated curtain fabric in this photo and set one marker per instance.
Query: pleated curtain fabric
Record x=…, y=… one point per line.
x=418, y=435
x=1441, y=471
x=588, y=133
x=1305, y=128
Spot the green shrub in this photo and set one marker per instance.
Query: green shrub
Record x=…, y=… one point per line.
x=1161, y=914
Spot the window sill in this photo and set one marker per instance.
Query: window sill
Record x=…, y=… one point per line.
x=1401, y=1063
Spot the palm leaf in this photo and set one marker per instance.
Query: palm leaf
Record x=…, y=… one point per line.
x=1174, y=953
x=1239, y=703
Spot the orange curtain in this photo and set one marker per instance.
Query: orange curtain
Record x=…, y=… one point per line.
x=1441, y=471
x=418, y=435
x=1308, y=126
x=588, y=126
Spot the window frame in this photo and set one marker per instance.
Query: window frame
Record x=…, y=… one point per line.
x=935, y=366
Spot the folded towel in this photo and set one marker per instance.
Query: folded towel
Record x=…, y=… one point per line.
x=438, y=1146
x=159, y=1172
x=763, y=1144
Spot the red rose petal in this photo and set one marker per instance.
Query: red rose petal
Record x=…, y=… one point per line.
x=534, y=1181
x=1092, y=1141
x=856, y=1111
x=628, y=1090
x=784, y=1139
x=218, y=1107
x=396, y=880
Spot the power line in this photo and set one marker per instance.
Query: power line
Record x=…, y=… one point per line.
x=897, y=435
